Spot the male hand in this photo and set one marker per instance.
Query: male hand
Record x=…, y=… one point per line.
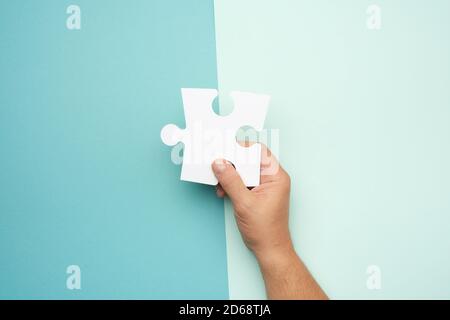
x=262, y=213
x=262, y=216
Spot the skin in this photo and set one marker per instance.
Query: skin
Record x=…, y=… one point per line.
x=262, y=216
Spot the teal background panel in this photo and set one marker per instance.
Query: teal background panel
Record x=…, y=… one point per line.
x=84, y=177
x=364, y=133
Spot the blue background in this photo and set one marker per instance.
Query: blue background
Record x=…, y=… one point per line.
x=84, y=177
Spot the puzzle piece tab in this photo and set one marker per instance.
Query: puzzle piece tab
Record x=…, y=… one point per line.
x=208, y=136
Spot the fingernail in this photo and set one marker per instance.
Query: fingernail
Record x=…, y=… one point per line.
x=219, y=166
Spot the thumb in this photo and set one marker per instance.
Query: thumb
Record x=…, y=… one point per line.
x=230, y=180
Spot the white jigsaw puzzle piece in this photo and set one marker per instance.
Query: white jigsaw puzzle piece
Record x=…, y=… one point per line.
x=208, y=136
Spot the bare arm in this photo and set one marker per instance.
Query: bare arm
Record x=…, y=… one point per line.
x=262, y=215
x=287, y=278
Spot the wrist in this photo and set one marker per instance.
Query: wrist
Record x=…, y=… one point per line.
x=276, y=255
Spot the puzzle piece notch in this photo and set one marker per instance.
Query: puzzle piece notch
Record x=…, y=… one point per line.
x=209, y=136
x=251, y=108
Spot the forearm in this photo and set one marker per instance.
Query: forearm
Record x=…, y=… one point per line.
x=287, y=278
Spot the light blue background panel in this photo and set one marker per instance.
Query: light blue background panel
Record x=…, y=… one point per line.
x=84, y=177
x=364, y=133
